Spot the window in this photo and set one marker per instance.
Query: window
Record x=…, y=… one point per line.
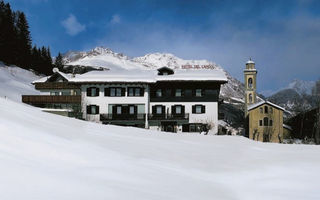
x=266, y=109
x=130, y=92
x=159, y=93
x=271, y=110
x=270, y=122
x=135, y=91
x=131, y=110
x=178, y=92
x=158, y=109
x=250, y=82
x=198, y=109
x=250, y=98
x=265, y=121
x=198, y=92
x=261, y=110
x=93, y=109
x=117, y=91
x=178, y=110
x=260, y=123
x=119, y=110
x=92, y=92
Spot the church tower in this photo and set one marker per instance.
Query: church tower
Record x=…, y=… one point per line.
x=250, y=81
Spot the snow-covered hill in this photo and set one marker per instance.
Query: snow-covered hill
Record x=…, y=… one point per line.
x=104, y=57
x=15, y=81
x=45, y=156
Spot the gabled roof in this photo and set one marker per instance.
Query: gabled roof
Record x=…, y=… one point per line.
x=56, y=72
x=253, y=106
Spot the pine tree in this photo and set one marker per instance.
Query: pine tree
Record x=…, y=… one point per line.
x=8, y=44
x=24, y=41
x=59, y=62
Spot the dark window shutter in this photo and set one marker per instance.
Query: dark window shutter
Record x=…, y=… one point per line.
x=97, y=92
x=194, y=93
x=89, y=92
x=106, y=91
x=182, y=109
x=154, y=109
x=141, y=92
x=203, y=109
x=173, y=109
x=163, y=109
x=182, y=92
x=194, y=109
x=135, y=109
x=123, y=91
x=88, y=109
x=97, y=109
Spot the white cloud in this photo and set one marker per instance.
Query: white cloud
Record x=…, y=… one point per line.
x=115, y=19
x=72, y=26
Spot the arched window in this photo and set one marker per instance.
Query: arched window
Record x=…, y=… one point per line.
x=266, y=109
x=250, y=82
x=250, y=98
x=266, y=121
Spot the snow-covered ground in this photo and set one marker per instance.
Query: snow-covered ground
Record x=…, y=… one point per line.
x=45, y=156
x=15, y=81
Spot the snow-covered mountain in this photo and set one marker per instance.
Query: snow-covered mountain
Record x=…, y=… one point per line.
x=301, y=86
x=296, y=97
x=104, y=57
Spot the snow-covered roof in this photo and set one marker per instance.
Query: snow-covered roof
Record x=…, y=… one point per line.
x=287, y=127
x=264, y=102
x=150, y=76
x=41, y=80
x=68, y=77
x=250, y=61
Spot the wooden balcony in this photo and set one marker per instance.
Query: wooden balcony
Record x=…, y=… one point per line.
x=43, y=99
x=56, y=85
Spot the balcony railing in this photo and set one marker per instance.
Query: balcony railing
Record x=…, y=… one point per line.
x=40, y=99
x=55, y=85
x=110, y=117
x=169, y=116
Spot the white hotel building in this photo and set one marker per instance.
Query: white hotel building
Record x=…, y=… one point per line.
x=163, y=99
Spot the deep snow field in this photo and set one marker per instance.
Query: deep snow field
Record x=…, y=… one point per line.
x=45, y=156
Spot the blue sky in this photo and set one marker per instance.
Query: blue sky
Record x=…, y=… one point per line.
x=282, y=37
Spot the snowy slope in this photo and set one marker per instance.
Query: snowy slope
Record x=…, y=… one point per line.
x=45, y=156
x=233, y=91
x=15, y=81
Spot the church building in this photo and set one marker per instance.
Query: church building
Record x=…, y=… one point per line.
x=264, y=120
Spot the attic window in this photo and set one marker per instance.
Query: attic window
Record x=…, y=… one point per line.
x=165, y=71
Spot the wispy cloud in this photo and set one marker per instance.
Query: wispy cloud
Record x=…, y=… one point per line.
x=115, y=19
x=72, y=26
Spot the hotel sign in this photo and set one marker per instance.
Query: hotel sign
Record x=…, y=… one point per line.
x=197, y=67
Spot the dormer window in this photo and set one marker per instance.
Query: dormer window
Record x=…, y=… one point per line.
x=164, y=71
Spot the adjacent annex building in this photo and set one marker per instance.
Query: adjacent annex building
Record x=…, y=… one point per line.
x=164, y=99
x=264, y=120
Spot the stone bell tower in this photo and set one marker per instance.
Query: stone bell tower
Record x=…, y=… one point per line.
x=250, y=81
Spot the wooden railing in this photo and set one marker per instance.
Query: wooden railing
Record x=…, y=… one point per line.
x=110, y=117
x=56, y=85
x=38, y=99
x=169, y=116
